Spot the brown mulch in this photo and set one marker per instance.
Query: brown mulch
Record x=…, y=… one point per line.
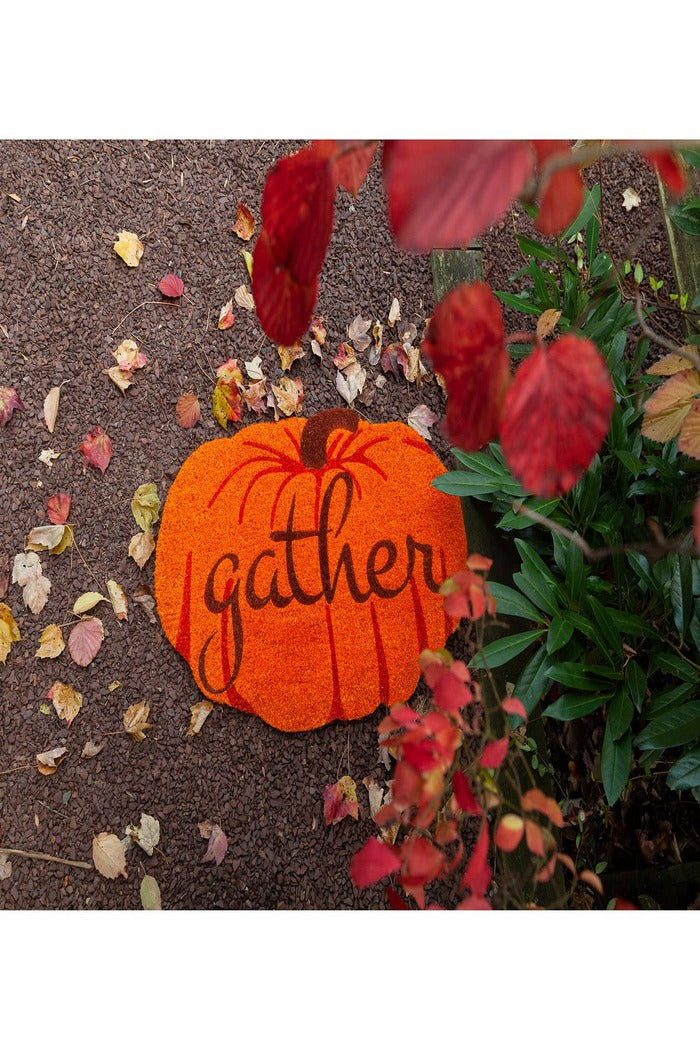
x=67, y=301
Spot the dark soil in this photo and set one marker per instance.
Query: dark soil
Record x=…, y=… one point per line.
x=66, y=302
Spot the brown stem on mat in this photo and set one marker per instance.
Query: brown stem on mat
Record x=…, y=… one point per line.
x=15, y=769
x=317, y=431
x=46, y=856
x=150, y=302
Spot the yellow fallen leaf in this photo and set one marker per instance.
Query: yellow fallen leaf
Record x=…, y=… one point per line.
x=66, y=700
x=48, y=761
x=200, y=712
x=290, y=354
x=9, y=631
x=141, y=547
x=87, y=601
x=51, y=538
x=136, y=720
x=118, y=599
x=129, y=248
x=51, y=643
x=145, y=506
x=289, y=395
x=120, y=378
x=672, y=363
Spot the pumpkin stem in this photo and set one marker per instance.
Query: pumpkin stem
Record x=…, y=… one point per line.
x=317, y=431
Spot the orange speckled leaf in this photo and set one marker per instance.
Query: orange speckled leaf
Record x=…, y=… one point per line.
x=689, y=440
x=244, y=226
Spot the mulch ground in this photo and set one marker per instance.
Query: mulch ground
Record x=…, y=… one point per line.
x=66, y=302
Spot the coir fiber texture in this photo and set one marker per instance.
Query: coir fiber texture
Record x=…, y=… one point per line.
x=298, y=566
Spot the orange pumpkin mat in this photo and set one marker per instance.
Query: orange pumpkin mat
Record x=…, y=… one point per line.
x=298, y=566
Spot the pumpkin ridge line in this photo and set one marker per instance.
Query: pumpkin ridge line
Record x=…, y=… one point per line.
x=229, y=477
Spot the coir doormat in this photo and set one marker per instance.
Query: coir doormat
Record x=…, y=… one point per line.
x=298, y=565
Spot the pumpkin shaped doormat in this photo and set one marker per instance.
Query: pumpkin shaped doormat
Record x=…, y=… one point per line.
x=298, y=566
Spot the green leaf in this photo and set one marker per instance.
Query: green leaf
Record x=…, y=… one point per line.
x=575, y=571
x=631, y=625
x=535, y=249
x=678, y=726
x=691, y=156
x=685, y=773
x=531, y=560
x=150, y=894
x=510, y=602
x=620, y=713
x=615, y=764
x=574, y=705
x=606, y=625
x=668, y=698
x=636, y=682
x=631, y=463
x=682, y=593
x=537, y=592
x=533, y=681
x=641, y=567
x=674, y=665
x=560, y=631
x=591, y=204
x=497, y=653
x=514, y=520
x=685, y=218
x=577, y=676
x=518, y=303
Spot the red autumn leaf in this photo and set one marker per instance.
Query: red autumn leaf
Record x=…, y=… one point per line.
x=97, y=448
x=422, y=863
x=464, y=795
x=244, y=226
x=351, y=167
x=493, y=754
x=396, y=900
x=536, y=799
x=477, y=874
x=547, y=870
x=556, y=415
x=374, y=861
x=58, y=508
x=9, y=401
x=85, y=640
x=188, y=411
x=534, y=838
x=591, y=879
x=562, y=198
x=171, y=285
x=284, y=307
x=340, y=800
x=509, y=832
x=512, y=706
x=474, y=904
x=394, y=360
x=467, y=595
x=670, y=168
x=466, y=345
x=297, y=215
x=217, y=846
x=443, y=193
x=226, y=316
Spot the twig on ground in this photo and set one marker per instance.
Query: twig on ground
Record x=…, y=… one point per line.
x=149, y=302
x=682, y=351
x=46, y=856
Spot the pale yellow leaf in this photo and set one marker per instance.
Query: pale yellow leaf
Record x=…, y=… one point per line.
x=689, y=440
x=253, y=369
x=630, y=199
x=48, y=761
x=146, y=835
x=51, y=407
x=87, y=601
x=243, y=298
x=672, y=363
x=666, y=409
x=289, y=395
x=546, y=323
x=5, y=867
x=51, y=643
x=145, y=506
x=51, y=538
x=394, y=313
x=120, y=378
x=200, y=712
x=108, y=855
x=136, y=720
x=150, y=894
x=9, y=631
x=141, y=547
x=47, y=456
x=129, y=248
x=92, y=749
x=118, y=599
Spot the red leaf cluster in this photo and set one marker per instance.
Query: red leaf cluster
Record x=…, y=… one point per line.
x=552, y=417
x=466, y=593
x=466, y=344
x=97, y=449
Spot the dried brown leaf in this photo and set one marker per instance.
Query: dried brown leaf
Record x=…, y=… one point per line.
x=200, y=713
x=51, y=407
x=48, y=761
x=51, y=643
x=136, y=720
x=108, y=855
